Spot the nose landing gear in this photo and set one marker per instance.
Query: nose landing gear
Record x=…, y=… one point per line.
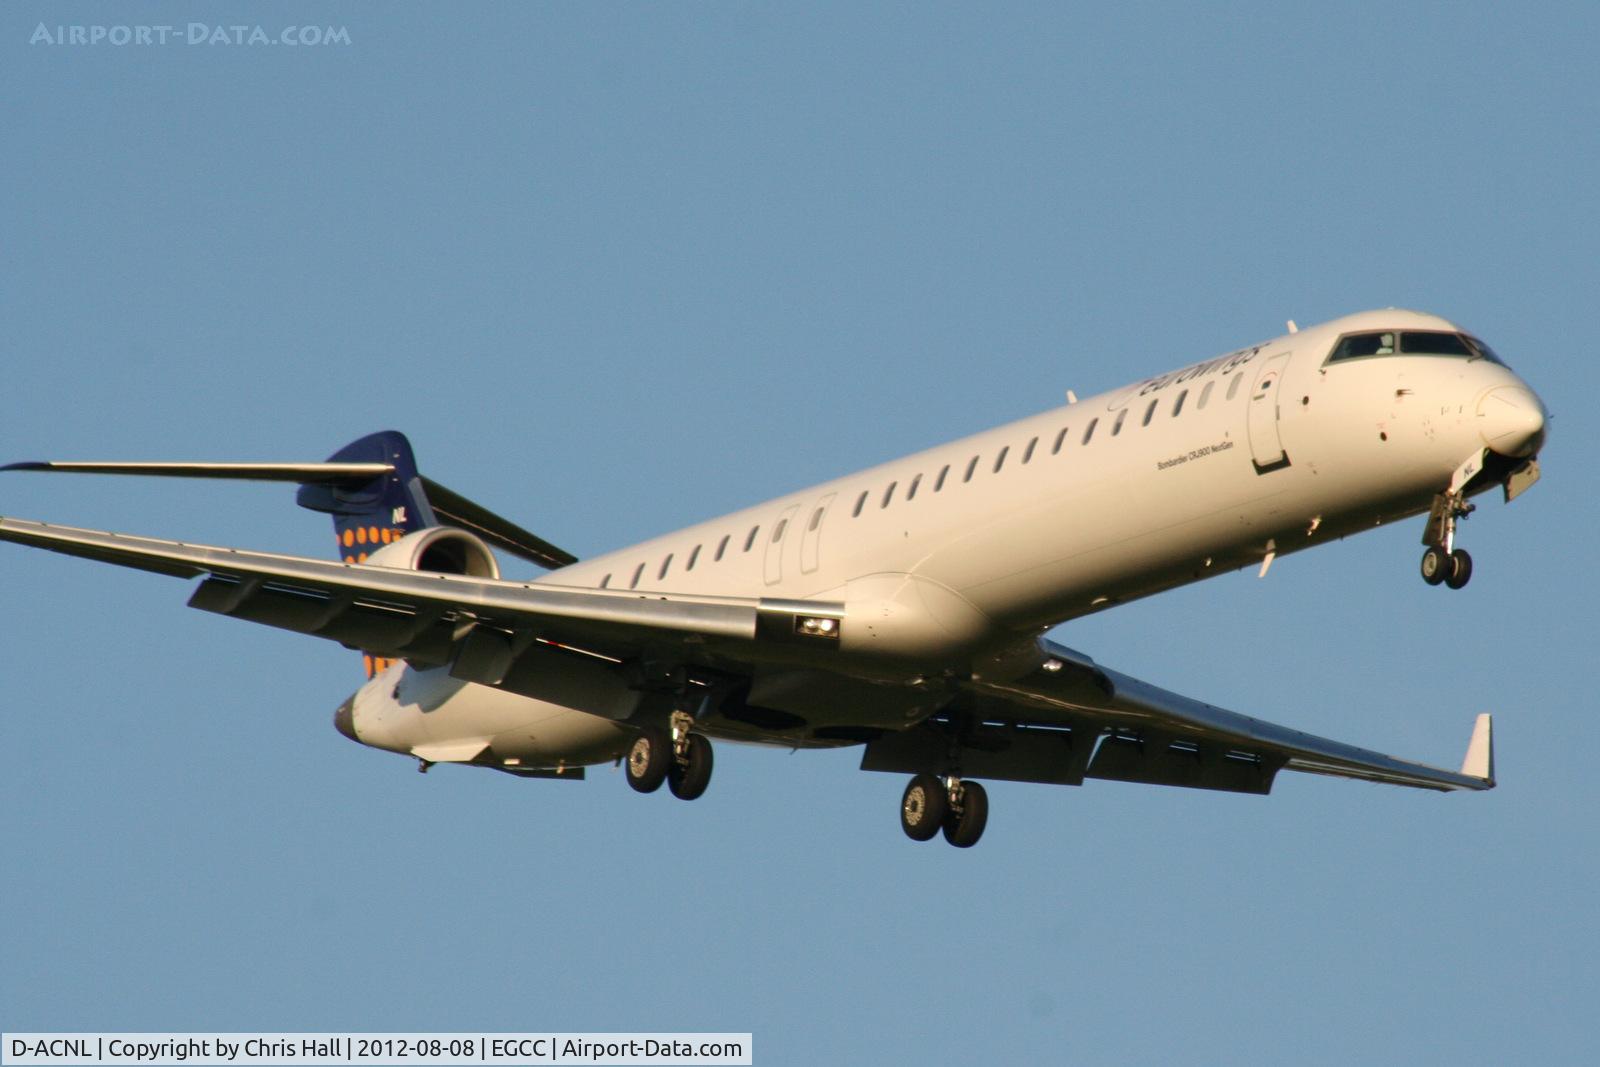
x=931, y=804
x=1443, y=561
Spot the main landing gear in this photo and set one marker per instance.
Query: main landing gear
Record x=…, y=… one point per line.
x=931, y=804
x=1442, y=561
x=681, y=759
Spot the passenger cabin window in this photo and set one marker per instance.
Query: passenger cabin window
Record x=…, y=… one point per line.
x=666, y=564
x=1061, y=439
x=816, y=519
x=888, y=494
x=722, y=546
x=861, y=502
x=1116, y=427
x=971, y=466
x=1000, y=460
x=911, y=490
x=750, y=541
x=939, y=482
x=1177, y=405
x=1233, y=386
x=638, y=572
x=605, y=582
x=693, y=557
x=1205, y=394
x=1028, y=452
x=1089, y=431
x=1149, y=412
x=777, y=531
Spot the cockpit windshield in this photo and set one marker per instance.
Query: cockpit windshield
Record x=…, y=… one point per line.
x=1411, y=343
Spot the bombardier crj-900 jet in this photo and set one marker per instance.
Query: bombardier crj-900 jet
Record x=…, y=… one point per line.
x=902, y=608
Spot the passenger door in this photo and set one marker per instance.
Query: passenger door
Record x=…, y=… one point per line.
x=1266, y=447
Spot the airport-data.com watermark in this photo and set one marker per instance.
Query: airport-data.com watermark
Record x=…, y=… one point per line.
x=190, y=34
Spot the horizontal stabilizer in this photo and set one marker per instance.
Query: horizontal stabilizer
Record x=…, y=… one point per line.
x=1480, y=750
x=302, y=473
x=448, y=506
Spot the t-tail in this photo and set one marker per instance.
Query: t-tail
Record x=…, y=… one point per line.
x=377, y=511
x=373, y=510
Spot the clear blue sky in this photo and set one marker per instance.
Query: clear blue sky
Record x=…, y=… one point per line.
x=618, y=268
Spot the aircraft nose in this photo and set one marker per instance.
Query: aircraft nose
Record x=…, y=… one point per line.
x=1511, y=420
x=344, y=719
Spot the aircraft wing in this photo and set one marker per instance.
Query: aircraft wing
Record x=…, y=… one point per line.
x=1054, y=715
x=1045, y=713
x=481, y=626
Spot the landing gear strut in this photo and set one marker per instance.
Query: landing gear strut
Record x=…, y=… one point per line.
x=1443, y=561
x=690, y=770
x=931, y=804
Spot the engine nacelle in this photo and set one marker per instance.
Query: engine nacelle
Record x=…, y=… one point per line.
x=439, y=550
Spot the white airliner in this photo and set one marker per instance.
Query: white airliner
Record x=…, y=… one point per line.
x=901, y=608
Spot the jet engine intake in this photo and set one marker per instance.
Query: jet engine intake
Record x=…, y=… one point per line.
x=439, y=550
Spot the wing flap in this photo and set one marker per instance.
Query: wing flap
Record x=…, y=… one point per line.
x=1154, y=760
x=394, y=631
x=1005, y=752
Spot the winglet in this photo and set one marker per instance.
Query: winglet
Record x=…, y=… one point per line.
x=1480, y=751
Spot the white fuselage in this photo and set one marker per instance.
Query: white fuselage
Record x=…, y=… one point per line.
x=1268, y=450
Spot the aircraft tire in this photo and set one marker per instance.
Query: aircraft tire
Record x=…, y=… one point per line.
x=963, y=830
x=649, y=757
x=1460, y=569
x=923, y=807
x=1436, y=565
x=688, y=780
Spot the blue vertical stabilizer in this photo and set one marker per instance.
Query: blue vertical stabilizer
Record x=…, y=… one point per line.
x=368, y=515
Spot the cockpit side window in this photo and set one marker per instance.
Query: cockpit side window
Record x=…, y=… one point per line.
x=1485, y=351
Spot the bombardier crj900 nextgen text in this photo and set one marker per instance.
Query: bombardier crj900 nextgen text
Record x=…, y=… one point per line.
x=901, y=608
